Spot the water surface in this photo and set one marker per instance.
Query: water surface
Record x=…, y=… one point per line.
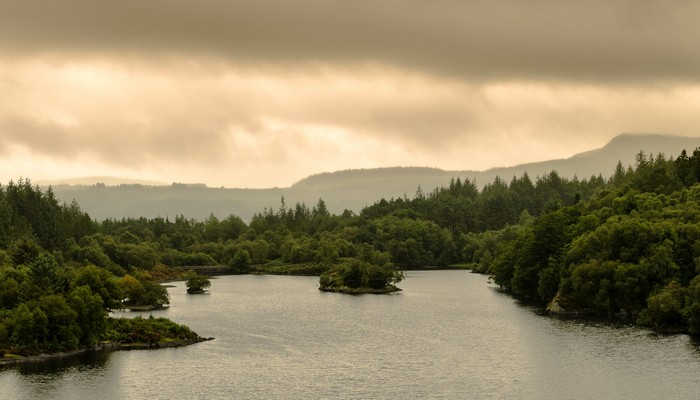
x=448, y=335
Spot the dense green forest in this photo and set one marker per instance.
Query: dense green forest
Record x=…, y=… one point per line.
x=52, y=296
x=628, y=245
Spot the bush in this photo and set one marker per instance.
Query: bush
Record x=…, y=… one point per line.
x=664, y=309
x=240, y=262
x=196, y=283
x=355, y=274
x=142, y=330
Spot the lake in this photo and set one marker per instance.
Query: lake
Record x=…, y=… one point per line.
x=448, y=335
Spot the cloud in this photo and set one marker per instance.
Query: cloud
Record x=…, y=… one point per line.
x=594, y=41
x=262, y=93
x=247, y=127
x=127, y=116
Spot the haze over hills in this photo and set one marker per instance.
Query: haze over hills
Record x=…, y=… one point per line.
x=349, y=189
x=105, y=180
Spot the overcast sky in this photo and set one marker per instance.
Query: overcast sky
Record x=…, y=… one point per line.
x=262, y=93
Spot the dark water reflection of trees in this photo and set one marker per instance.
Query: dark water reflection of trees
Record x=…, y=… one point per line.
x=93, y=361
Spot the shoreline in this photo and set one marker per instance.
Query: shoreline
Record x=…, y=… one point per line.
x=18, y=360
x=389, y=289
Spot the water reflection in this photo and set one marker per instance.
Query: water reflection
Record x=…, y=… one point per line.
x=64, y=377
x=93, y=361
x=694, y=343
x=448, y=335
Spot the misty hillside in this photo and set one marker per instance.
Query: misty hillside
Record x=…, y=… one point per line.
x=350, y=189
x=107, y=180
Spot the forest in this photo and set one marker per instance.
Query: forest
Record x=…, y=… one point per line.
x=624, y=245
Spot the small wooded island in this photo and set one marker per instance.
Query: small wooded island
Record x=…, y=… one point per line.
x=361, y=277
x=196, y=283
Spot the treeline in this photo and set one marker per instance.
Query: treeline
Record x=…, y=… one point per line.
x=428, y=229
x=633, y=248
x=627, y=244
x=26, y=211
x=52, y=297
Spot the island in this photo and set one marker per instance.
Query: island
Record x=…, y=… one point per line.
x=120, y=334
x=356, y=276
x=196, y=283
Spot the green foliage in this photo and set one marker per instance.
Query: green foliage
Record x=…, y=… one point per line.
x=131, y=288
x=280, y=268
x=142, y=290
x=664, y=310
x=60, y=330
x=240, y=262
x=45, y=277
x=592, y=285
x=102, y=283
x=178, y=258
x=27, y=328
x=258, y=250
x=195, y=282
x=11, y=283
x=355, y=274
x=145, y=330
x=23, y=251
x=90, y=314
x=56, y=272
x=632, y=247
x=137, y=256
x=692, y=309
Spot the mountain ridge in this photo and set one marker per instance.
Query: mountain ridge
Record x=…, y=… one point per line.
x=621, y=144
x=93, y=180
x=348, y=189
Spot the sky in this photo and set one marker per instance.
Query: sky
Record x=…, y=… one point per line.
x=263, y=93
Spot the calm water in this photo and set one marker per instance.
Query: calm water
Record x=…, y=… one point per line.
x=448, y=335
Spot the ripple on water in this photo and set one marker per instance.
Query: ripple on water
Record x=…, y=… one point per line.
x=447, y=335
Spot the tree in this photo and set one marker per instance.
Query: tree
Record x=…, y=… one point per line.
x=11, y=279
x=541, y=248
x=156, y=295
x=62, y=329
x=24, y=251
x=240, y=262
x=495, y=207
x=132, y=289
x=196, y=283
x=232, y=227
x=692, y=310
x=101, y=282
x=138, y=256
x=665, y=309
x=28, y=328
x=142, y=290
x=90, y=315
x=357, y=276
x=621, y=176
x=46, y=277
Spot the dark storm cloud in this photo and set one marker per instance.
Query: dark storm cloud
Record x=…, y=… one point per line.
x=539, y=39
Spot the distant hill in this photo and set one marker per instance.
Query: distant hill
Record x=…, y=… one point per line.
x=349, y=189
x=105, y=180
